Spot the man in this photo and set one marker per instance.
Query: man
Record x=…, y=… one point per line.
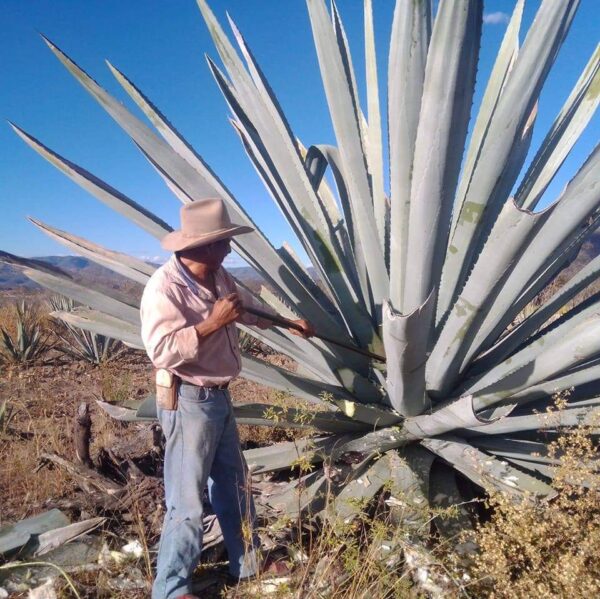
x=188, y=311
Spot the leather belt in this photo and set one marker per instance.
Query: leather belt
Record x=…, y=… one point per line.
x=222, y=386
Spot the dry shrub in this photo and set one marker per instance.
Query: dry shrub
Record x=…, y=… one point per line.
x=116, y=386
x=546, y=549
x=280, y=405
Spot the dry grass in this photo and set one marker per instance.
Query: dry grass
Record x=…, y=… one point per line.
x=33, y=430
x=545, y=549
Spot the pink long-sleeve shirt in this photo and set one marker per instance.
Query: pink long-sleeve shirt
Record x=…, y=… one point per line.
x=172, y=304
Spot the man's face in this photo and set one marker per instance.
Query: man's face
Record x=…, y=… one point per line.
x=212, y=254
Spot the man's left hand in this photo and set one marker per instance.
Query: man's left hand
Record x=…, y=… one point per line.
x=307, y=328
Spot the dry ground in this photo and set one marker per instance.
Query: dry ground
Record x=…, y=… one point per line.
x=44, y=399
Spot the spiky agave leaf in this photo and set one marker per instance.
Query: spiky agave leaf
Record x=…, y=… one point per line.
x=463, y=257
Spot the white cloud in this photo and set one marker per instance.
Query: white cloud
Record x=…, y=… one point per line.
x=157, y=259
x=234, y=261
x=495, y=18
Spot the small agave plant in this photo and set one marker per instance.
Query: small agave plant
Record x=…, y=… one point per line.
x=80, y=343
x=431, y=273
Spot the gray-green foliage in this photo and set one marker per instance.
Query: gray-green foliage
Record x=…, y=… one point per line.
x=79, y=343
x=7, y=413
x=30, y=343
x=432, y=271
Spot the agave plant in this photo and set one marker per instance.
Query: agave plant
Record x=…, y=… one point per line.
x=79, y=343
x=430, y=273
x=30, y=343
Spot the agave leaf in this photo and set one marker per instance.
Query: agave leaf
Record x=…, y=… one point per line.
x=274, y=416
x=406, y=338
x=374, y=145
x=481, y=204
x=304, y=496
x=376, y=417
x=160, y=153
x=533, y=456
x=316, y=165
x=577, y=345
x=349, y=304
x=279, y=378
x=132, y=268
x=121, y=413
x=313, y=349
x=311, y=358
x=550, y=335
x=281, y=151
x=32, y=263
x=105, y=193
x=486, y=470
x=411, y=31
x=504, y=247
x=314, y=353
x=454, y=414
x=318, y=158
x=503, y=65
x=351, y=500
x=558, y=419
x=447, y=95
x=521, y=453
x=15, y=536
x=324, y=191
x=577, y=204
x=520, y=333
x=102, y=324
x=179, y=170
x=579, y=381
x=293, y=262
x=444, y=494
x=252, y=245
x=346, y=58
x=501, y=71
x=533, y=451
x=111, y=303
x=322, y=254
x=512, y=168
x=310, y=205
x=346, y=124
x=282, y=455
x=565, y=131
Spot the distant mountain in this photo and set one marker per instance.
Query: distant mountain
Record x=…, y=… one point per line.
x=84, y=270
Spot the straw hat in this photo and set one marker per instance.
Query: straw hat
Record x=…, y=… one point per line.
x=202, y=222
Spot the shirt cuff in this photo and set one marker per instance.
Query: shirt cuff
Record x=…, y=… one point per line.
x=187, y=343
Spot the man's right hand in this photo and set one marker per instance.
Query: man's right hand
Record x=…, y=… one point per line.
x=227, y=309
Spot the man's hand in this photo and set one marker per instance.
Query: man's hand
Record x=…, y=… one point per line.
x=226, y=310
x=307, y=328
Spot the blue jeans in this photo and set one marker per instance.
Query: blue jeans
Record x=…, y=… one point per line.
x=202, y=446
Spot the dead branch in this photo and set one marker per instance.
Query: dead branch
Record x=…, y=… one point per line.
x=82, y=435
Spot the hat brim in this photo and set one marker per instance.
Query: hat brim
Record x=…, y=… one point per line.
x=176, y=241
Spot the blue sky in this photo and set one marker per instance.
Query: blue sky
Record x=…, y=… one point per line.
x=160, y=45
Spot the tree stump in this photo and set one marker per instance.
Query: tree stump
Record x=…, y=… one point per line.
x=82, y=435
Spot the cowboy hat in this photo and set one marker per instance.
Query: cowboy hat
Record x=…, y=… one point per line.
x=202, y=222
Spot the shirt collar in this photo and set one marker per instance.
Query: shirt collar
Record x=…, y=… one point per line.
x=180, y=276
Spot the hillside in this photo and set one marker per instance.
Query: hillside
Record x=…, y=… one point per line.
x=82, y=269
x=13, y=282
